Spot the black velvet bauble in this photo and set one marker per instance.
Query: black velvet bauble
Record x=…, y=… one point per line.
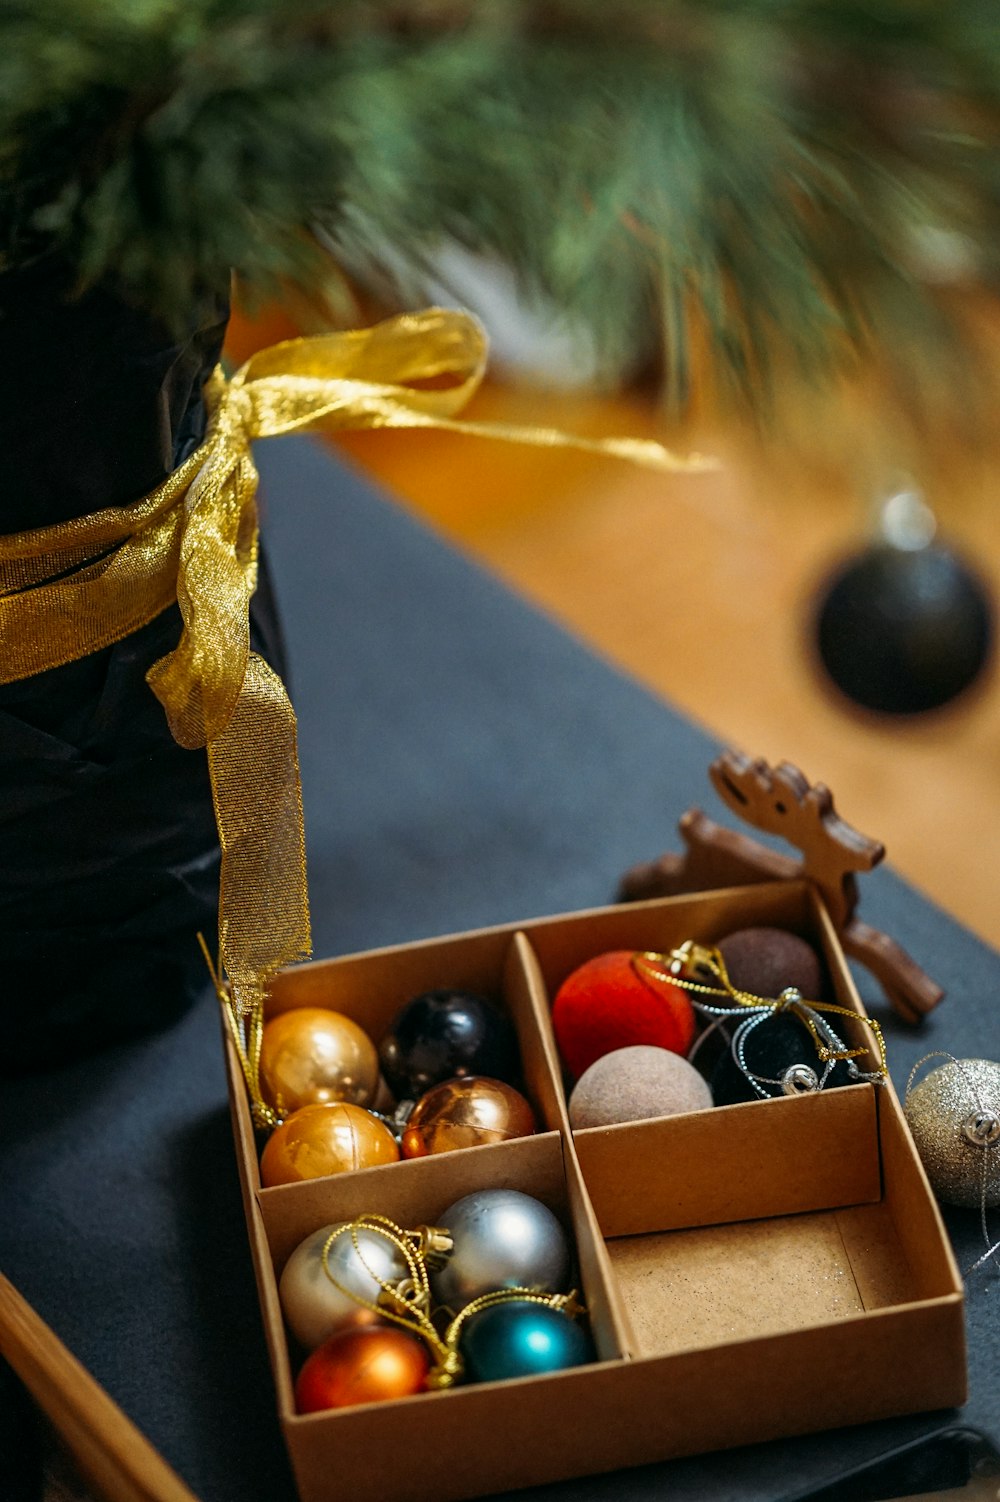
x=446, y=1033
x=904, y=631
x=770, y=1048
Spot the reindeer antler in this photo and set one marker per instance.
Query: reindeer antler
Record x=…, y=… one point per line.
x=781, y=801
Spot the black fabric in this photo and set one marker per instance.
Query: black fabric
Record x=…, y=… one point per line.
x=108, y=849
x=109, y=859
x=20, y=1442
x=80, y=367
x=464, y=762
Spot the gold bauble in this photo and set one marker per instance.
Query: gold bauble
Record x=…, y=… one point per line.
x=466, y=1113
x=309, y=1056
x=325, y=1139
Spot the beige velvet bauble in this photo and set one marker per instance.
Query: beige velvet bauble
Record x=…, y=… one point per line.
x=632, y=1084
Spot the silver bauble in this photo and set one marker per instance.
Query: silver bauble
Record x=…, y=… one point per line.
x=313, y=1306
x=502, y=1239
x=954, y=1115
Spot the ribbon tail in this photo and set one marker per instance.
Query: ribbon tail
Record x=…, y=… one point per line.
x=263, y=895
x=644, y=451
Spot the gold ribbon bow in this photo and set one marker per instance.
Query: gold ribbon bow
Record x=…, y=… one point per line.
x=70, y=589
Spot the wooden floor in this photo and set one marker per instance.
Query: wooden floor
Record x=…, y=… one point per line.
x=701, y=586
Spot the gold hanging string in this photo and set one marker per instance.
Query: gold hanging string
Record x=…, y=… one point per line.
x=408, y=1302
x=688, y=961
x=73, y=588
x=567, y=1303
x=247, y=1035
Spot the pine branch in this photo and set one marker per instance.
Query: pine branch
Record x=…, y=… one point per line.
x=762, y=170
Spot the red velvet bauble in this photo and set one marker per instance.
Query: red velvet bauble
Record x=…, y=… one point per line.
x=606, y=1004
x=367, y=1365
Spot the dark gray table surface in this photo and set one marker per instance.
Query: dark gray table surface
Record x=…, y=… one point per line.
x=465, y=762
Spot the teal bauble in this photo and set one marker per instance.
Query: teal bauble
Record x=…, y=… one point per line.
x=521, y=1339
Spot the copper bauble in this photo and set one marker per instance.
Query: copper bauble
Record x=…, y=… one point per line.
x=362, y=1366
x=320, y=1140
x=310, y=1055
x=466, y=1113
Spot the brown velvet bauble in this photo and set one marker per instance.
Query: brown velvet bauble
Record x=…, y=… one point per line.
x=765, y=961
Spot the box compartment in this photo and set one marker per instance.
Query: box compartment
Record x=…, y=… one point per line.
x=751, y=1271
x=372, y=988
x=413, y=1441
x=826, y=1248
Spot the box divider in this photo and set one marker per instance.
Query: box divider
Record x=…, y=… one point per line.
x=539, y=1061
x=404, y=1190
x=610, y=1324
x=524, y=970
x=749, y=1161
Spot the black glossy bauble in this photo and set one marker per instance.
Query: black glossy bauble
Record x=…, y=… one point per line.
x=903, y=632
x=446, y=1033
x=770, y=1048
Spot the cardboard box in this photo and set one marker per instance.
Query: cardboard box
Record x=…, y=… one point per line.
x=750, y=1271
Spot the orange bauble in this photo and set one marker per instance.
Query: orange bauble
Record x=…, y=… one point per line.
x=311, y=1055
x=362, y=1366
x=466, y=1113
x=320, y=1140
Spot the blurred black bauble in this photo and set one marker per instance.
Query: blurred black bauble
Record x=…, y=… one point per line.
x=905, y=626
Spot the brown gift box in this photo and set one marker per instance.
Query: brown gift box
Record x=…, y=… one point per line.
x=750, y=1271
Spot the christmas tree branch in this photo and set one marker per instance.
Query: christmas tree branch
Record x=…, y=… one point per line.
x=778, y=179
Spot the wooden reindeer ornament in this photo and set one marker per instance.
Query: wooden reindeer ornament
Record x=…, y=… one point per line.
x=780, y=801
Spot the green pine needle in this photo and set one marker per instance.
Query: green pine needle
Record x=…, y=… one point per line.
x=759, y=175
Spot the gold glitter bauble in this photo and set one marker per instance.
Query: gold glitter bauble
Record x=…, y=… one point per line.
x=310, y=1055
x=954, y=1115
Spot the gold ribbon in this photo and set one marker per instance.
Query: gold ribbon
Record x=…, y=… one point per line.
x=70, y=589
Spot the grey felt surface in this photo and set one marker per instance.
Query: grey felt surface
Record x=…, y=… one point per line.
x=464, y=762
